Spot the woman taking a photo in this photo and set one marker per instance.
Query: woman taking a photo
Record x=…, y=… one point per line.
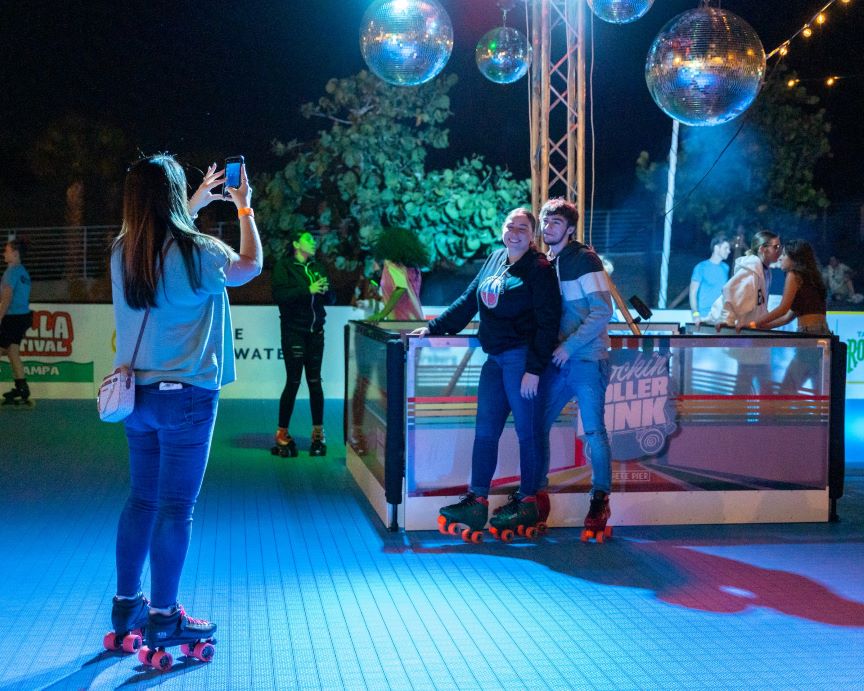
x=168, y=285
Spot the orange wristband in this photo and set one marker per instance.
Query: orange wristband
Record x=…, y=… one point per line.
x=246, y=211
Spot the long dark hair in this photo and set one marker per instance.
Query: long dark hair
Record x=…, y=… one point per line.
x=155, y=208
x=401, y=246
x=803, y=259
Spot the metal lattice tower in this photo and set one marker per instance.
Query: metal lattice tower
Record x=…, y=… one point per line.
x=558, y=103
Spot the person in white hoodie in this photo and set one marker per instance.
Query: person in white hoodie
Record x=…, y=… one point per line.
x=745, y=295
x=744, y=301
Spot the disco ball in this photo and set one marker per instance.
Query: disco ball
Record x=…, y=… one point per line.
x=503, y=55
x=705, y=67
x=620, y=11
x=406, y=42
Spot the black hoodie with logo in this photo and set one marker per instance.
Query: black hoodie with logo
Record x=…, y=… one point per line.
x=519, y=305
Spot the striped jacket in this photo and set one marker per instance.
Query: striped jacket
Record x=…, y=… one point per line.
x=586, y=302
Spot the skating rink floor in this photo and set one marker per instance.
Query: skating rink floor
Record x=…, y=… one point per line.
x=311, y=592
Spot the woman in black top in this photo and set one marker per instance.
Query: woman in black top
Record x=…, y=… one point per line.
x=804, y=293
x=301, y=289
x=516, y=293
x=804, y=298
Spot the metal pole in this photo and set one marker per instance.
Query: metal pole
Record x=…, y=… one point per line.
x=579, y=182
x=668, y=213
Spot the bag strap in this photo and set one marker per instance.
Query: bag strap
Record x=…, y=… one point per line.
x=138, y=342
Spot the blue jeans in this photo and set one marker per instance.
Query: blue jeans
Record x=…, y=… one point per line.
x=586, y=380
x=169, y=435
x=498, y=395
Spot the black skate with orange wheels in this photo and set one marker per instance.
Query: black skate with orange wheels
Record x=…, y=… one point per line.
x=598, y=515
x=194, y=636
x=128, y=617
x=517, y=517
x=467, y=517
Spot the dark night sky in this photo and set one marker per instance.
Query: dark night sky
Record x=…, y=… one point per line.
x=211, y=79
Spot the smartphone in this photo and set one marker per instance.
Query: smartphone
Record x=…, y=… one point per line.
x=232, y=173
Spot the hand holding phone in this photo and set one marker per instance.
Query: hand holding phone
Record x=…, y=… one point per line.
x=233, y=165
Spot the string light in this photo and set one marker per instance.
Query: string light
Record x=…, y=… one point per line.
x=828, y=81
x=807, y=30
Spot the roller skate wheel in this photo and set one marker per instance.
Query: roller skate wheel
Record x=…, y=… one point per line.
x=442, y=525
x=131, y=642
x=520, y=530
x=600, y=536
x=144, y=655
x=453, y=529
x=506, y=535
x=608, y=531
x=494, y=531
x=110, y=641
x=542, y=527
x=477, y=537
x=204, y=651
x=586, y=535
x=162, y=660
x=531, y=532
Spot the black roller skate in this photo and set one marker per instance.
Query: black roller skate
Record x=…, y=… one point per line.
x=318, y=447
x=285, y=445
x=128, y=617
x=598, y=514
x=518, y=516
x=19, y=395
x=467, y=517
x=194, y=636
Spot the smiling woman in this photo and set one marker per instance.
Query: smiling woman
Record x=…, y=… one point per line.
x=519, y=304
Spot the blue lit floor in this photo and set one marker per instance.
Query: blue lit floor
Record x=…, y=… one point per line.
x=311, y=592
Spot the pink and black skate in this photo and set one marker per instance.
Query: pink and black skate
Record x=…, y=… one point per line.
x=128, y=617
x=598, y=515
x=194, y=636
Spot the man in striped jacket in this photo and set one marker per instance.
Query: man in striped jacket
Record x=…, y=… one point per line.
x=580, y=363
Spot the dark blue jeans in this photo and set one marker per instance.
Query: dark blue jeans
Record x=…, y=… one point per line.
x=587, y=382
x=169, y=435
x=498, y=395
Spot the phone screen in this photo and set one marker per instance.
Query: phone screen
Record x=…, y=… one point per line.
x=232, y=173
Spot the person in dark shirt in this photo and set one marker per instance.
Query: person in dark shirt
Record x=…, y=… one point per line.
x=516, y=294
x=805, y=299
x=301, y=289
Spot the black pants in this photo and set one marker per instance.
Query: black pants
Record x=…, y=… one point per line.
x=302, y=350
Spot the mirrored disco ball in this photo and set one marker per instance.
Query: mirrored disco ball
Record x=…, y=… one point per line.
x=406, y=42
x=503, y=55
x=620, y=11
x=705, y=67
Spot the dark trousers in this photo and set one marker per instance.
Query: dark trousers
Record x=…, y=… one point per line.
x=302, y=350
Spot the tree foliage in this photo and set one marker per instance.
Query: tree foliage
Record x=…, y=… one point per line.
x=368, y=171
x=765, y=177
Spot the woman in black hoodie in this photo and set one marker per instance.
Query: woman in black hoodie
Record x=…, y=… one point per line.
x=300, y=289
x=516, y=293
